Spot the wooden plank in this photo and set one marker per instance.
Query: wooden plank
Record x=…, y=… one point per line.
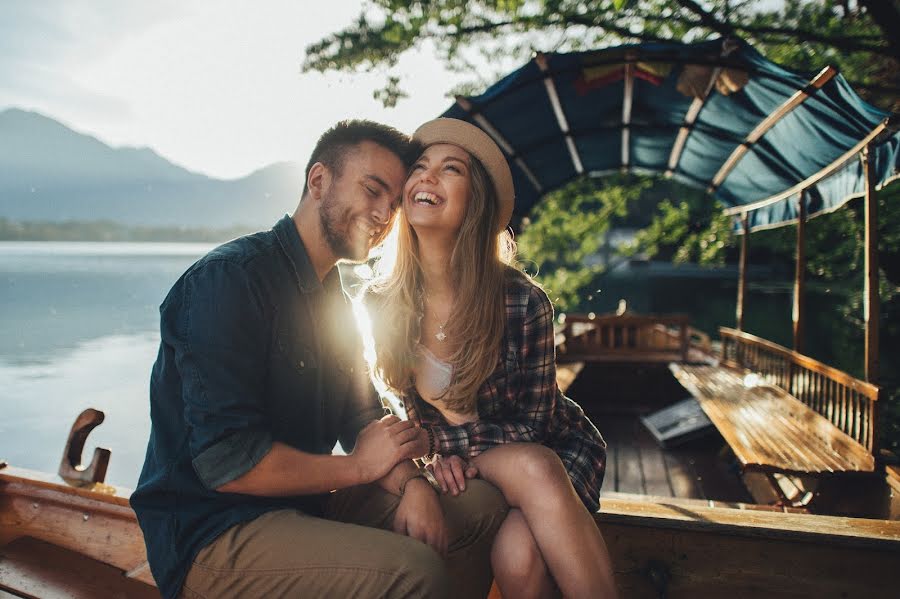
x=655, y=475
x=802, y=431
x=40, y=569
x=98, y=525
x=680, y=478
x=768, y=428
x=630, y=477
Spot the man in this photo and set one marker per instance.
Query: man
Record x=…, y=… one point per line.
x=259, y=373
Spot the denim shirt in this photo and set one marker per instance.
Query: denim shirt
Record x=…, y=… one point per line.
x=254, y=349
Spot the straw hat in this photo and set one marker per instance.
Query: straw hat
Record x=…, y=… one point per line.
x=477, y=143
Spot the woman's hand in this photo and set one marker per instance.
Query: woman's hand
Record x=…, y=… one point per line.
x=451, y=473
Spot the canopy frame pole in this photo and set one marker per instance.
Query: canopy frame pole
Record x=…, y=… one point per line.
x=628, y=95
x=871, y=294
x=800, y=96
x=798, y=315
x=485, y=124
x=742, y=271
x=688, y=124
x=690, y=117
x=815, y=178
x=561, y=120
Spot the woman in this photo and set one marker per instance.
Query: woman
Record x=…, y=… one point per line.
x=466, y=341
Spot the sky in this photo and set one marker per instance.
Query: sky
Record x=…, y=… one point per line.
x=212, y=85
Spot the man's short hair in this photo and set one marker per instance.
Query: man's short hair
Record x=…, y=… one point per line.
x=334, y=145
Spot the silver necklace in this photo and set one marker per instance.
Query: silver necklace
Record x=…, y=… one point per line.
x=440, y=335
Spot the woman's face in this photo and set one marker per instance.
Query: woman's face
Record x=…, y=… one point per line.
x=438, y=190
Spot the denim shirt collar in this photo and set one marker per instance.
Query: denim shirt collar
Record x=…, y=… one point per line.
x=293, y=247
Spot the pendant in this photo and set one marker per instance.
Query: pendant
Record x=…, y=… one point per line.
x=440, y=336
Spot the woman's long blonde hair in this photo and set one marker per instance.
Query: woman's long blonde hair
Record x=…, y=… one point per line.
x=476, y=325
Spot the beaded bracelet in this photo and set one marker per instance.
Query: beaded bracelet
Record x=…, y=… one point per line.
x=431, y=444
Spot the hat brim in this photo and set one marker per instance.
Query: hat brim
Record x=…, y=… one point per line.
x=480, y=145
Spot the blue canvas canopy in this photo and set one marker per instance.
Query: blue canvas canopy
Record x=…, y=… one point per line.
x=714, y=115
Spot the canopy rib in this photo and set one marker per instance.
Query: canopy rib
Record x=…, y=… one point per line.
x=501, y=141
x=800, y=96
x=690, y=117
x=627, y=97
x=562, y=121
x=829, y=170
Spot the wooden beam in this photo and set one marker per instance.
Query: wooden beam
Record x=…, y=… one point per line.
x=815, y=178
x=800, y=96
x=561, y=120
x=729, y=45
x=742, y=271
x=500, y=140
x=689, y=118
x=871, y=299
x=798, y=315
x=627, y=97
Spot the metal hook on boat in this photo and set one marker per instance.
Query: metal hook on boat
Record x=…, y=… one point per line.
x=70, y=468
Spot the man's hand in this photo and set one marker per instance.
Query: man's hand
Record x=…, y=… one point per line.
x=385, y=443
x=451, y=473
x=419, y=516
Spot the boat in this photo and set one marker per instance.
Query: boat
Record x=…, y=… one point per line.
x=729, y=512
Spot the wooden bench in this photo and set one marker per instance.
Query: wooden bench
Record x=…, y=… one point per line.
x=785, y=413
x=33, y=568
x=629, y=337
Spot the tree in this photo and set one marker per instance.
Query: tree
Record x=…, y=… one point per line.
x=864, y=38
x=567, y=227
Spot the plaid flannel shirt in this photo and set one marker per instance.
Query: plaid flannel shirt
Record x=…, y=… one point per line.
x=521, y=402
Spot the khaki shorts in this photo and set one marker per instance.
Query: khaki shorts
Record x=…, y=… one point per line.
x=351, y=551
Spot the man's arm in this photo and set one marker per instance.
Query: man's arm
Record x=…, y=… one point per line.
x=284, y=470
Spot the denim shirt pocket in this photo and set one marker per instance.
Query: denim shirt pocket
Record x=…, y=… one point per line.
x=297, y=350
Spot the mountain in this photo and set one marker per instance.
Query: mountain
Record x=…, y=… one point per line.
x=49, y=172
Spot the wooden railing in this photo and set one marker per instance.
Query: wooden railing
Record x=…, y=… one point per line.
x=630, y=336
x=847, y=402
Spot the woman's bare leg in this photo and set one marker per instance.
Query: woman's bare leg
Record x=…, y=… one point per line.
x=518, y=565
x=534, y=480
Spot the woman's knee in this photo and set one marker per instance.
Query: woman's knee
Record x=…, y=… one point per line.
x=540, y=465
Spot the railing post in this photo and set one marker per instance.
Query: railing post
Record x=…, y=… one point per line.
x=798, y=316
x=742, y=271
x=871, y=298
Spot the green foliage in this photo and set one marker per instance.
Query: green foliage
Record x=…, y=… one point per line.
x=691, y=231
x=570, y=225
x=485, y=37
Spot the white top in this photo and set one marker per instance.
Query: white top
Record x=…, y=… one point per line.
x=433, y=377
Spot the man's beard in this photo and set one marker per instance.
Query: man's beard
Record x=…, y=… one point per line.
x=337, y=229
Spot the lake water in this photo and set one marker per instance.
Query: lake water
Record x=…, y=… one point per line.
x=79, y=327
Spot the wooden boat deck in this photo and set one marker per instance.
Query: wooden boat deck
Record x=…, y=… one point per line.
x=615, y=398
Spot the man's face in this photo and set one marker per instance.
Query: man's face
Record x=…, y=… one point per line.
x=359, y=204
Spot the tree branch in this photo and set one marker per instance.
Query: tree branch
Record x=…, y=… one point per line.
x=886, y=15
x=707, y=18
x=839, y=42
